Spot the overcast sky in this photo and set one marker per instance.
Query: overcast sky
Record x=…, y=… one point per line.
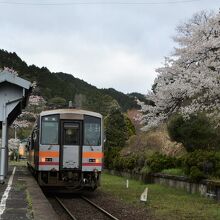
x=107, y=43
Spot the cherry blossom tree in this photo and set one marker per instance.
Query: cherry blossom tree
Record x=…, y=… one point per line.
x=189, y=81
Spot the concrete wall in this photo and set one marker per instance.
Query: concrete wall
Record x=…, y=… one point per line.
x=205, y=188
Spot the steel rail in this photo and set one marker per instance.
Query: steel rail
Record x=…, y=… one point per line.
x=99, y=208
x=66, y=209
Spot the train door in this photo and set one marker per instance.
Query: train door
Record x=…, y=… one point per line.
x=71, y=142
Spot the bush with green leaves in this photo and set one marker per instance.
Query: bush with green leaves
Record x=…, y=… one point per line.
x=201, y=164
x=130, y=162
x=195, y=132
x=146, y=170
x=125, y=163
x=110, y=155
x=157, y=162
x=57, y=102
x=196, y=174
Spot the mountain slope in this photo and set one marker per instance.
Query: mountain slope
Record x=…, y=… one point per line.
x=125, y=101
x=66, y=86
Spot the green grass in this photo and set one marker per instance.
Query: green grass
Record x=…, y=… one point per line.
x=173, y=171
x=20, y=186
x=29, y=203
x=163, y=203
x=18, y=163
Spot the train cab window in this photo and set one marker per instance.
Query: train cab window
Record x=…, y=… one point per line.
x=71, y=134
x=92, y=131
x=49, y=129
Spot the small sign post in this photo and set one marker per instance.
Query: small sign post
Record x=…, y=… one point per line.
x=127, y=184
x=144, y=195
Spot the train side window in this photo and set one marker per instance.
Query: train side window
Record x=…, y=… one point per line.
x=49, y=129
x=92, y=131
x=32, y=141
x=34, y=138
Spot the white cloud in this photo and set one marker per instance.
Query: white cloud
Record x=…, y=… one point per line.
x=107, y=46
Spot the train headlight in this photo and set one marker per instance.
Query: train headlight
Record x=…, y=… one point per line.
x=42, y=159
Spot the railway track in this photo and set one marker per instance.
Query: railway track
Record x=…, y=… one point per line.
x=77, y=209
x=65, y=209
x=99, y=208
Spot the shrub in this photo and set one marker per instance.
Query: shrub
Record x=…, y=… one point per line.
x=196, y=132
x=146, y=170
x=204, y=160
x=130, y=162
x=57, y=101
x=157, y=162
x=207, y=162
x=125, y=163
x=110, y=155
x=196, y=174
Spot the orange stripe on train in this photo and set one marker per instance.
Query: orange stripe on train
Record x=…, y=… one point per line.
x=92, y=154
x=49, y=154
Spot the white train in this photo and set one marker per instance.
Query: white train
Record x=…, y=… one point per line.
x=66, y=148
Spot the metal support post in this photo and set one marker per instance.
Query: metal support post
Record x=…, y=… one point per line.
x=3, y=152
x=6, y=152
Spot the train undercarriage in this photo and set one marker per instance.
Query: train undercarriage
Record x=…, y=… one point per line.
x=68, y=179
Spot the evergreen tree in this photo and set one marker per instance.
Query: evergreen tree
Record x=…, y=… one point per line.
x=115, y=129
x=195, y=132
x=118, y=129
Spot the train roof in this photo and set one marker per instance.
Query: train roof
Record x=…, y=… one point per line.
x=70, y=111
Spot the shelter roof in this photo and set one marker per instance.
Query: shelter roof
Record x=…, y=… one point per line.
x=6, y=76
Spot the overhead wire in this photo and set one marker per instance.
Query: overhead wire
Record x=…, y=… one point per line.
x=141, y=3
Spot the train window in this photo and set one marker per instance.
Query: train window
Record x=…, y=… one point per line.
x=34, y=138
x=92, y=131
x=49, y=129
x=71, y=134
x=32, y=141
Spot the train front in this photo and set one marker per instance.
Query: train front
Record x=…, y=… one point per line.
x=70, y=149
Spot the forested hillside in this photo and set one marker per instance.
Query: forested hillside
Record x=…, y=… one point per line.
x=125, y=101
x=66, y=87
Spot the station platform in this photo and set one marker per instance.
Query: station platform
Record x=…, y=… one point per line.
x=21, y=198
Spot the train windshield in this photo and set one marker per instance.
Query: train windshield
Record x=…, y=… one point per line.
x=49, y=131
x=92, y=131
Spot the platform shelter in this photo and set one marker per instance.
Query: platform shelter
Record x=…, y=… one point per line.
x=14, y=94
